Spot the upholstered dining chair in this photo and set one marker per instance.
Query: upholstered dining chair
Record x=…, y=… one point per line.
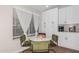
x=54, y=40
x=23, y=41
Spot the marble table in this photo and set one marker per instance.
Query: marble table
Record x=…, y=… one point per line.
x=40, y=44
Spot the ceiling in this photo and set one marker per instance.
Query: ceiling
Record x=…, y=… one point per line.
x=42, y=8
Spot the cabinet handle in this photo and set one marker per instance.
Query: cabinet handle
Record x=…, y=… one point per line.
x=66, y=38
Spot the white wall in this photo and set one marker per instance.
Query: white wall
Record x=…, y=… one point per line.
x=7, y=44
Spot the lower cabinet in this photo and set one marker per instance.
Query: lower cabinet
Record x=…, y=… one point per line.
x=62, y=40
x=69, y=40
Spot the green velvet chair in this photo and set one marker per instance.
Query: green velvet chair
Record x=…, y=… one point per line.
x=23, y=41
x=54, y=40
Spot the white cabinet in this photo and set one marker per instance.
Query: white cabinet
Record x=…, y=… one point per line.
x=43, y=22
x=72, y=13
x=69, y=15
x=69, y=40
x=73, y=39
x=50, y=21
x=63, y=39
x=62, y=16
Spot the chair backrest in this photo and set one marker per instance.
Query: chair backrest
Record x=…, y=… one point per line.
x=55, y=38
x=43, y=35
x=22, y=38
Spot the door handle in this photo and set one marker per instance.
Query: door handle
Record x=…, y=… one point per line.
x=66, y=38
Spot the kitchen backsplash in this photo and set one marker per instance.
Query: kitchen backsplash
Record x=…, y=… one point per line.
x=68, y=28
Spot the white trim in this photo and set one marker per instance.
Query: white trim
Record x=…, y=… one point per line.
x=15, y=37
x=30, y=34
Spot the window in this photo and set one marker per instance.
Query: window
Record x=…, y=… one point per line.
x=31, y=29
x=17, y=29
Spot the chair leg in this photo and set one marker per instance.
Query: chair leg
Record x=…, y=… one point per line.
x=32, y=48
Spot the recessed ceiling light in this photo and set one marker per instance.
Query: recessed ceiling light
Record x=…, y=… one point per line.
x=46, y=5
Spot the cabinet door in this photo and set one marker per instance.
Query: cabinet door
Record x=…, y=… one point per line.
x=62, y=16
x=50, y=21
x=73, y=41
x=72, y=14
x=69, y=40
x=63, y=40
x=43, y=22
x=69, y=13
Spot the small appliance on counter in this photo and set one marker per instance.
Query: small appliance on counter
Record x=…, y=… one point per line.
x=68, y=28
x=61, y=28
x=72, y=28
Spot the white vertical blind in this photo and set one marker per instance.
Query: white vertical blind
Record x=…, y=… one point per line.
x=24, y=18
x=36, y=22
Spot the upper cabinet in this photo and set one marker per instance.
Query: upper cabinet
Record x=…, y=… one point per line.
x=69, y=15
x=62, y=16
x=50, y=21
x=43, y=22
x=72, y=14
